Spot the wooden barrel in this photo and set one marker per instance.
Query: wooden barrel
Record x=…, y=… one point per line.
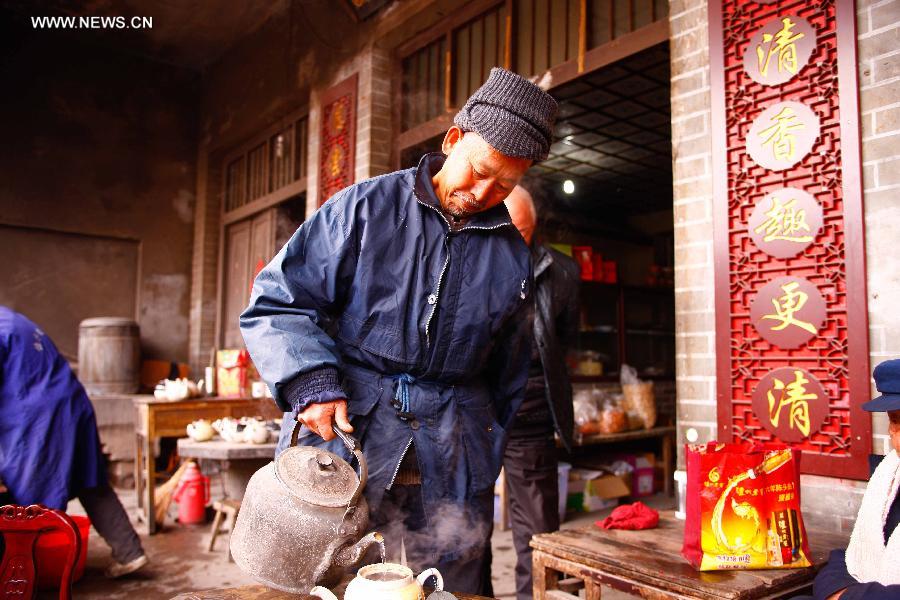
x=109, y=355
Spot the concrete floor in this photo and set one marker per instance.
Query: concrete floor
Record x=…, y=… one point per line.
x=180, y=562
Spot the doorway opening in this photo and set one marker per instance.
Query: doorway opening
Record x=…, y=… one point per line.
x=604, y=197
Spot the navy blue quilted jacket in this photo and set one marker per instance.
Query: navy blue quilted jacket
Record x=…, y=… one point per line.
x=376, y=288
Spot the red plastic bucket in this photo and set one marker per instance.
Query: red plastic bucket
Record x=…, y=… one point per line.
x=50, y=554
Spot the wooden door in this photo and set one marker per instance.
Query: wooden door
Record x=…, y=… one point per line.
x=249, y=245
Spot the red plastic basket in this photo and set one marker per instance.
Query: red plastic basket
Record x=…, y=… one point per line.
x=50, y=555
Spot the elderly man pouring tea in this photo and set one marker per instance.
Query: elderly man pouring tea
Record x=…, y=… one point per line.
x=400, y=311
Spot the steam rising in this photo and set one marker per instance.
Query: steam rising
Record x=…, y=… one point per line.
x=452, y=533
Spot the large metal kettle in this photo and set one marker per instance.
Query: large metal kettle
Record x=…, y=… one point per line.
x=301, y=517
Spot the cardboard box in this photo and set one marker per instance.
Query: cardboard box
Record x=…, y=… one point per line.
x=591, y=490
x=575, y=493
x=643, y=478
x=606, y=487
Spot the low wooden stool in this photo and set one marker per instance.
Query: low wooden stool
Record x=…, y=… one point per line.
x=223, y=507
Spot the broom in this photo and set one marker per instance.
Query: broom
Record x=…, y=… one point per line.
x=162, y=497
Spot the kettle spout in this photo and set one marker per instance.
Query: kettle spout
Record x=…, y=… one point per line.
x=351, y=555
x=323, y=593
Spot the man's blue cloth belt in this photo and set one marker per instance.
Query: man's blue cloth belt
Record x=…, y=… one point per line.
x=401, y=396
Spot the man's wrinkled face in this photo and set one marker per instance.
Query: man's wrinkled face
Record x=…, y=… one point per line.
x=894, y=429
x=475, y=176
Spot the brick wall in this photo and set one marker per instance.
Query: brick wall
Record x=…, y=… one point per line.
x=373, y=118
x=373, y=140
x=878, y=28
x=827, y=502
x=204, y=266
x=693, y=201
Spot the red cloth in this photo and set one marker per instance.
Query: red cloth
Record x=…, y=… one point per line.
x=631, y=516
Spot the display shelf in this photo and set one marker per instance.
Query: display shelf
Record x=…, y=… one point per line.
x=659, y=332
x=607, y=329
x=607, y=378
x=627, y=324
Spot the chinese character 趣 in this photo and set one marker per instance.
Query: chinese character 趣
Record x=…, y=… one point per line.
x=784, y=221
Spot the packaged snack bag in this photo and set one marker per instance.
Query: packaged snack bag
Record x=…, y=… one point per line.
x=743, y=507
x=232, y=376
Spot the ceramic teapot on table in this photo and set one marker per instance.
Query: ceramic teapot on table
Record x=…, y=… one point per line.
x=385, y=581
x=200, y=430
x=255, y=431
x=301, y=518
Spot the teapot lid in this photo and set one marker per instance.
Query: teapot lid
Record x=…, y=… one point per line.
x=316, y=476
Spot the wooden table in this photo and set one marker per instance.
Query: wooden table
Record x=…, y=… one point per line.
x=666, y=435
x=155, y=419
x=259, y=592
x=649, y=564
x=239, y=460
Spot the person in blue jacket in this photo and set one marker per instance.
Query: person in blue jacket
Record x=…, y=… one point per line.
x=870, y=566
x=49, y=446
x=400, y=311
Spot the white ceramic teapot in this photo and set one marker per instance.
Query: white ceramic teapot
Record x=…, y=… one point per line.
x=384, y=581
x=255, y=431
x=228, y=429
x=200, y=430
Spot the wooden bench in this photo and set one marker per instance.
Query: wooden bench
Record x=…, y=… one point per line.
x=649, y=564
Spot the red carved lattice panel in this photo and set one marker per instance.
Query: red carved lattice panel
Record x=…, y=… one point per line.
x=337, y=138
x=837, y=355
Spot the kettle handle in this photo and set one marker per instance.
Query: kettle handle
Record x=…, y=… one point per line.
x=348, y=439
x=438, y=580
x=353, y=446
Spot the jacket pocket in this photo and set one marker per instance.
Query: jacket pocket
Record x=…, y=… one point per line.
x=483, y=442
x=363, y=393
x=375, y=338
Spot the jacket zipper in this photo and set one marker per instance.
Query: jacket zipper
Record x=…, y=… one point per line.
x=491, y=228
x=399, y=462
x=437, y=293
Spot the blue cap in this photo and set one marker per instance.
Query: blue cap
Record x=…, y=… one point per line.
x=887, y=381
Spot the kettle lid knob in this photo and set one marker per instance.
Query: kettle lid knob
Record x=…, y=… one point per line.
x=316, y=476
x=324, y=461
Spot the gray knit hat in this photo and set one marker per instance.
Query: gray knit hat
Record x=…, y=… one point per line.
x=512, y=114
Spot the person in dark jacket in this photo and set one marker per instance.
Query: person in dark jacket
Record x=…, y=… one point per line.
x=870, y=566
x=530, y=461
x=400, y=311
x=49, y=447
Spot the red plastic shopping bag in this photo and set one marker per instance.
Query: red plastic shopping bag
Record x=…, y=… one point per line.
x=743, y=507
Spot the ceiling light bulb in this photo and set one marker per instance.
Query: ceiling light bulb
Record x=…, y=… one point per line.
x=569, y=186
